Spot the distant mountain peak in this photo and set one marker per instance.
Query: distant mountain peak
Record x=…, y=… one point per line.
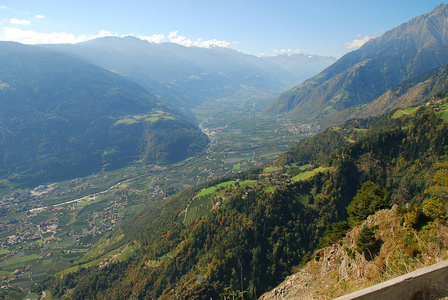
x=439, y=8
x=301, y=65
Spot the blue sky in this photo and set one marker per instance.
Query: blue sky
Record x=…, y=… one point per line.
x=262, y=27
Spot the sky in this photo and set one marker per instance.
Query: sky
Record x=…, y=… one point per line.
x=256, y=27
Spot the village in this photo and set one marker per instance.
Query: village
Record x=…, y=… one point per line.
x=302, y=128
x=43, y=239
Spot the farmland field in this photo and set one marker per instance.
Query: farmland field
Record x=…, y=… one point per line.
x=309, y=174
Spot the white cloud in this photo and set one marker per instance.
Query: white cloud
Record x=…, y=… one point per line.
x=209, y=43
x=179, y=39
x=3, y=7
x=102, y=33
x=155, y=38
x=172, y=34
x=40, y=17
x=33, y=37
x=19, y=22
x=283, y=51
x=357, y=43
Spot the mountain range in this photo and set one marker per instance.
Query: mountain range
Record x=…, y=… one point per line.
x=362, y=76
x=187, y=76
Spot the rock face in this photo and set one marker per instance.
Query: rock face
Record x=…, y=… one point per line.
x=361, y=76
x=340, y=269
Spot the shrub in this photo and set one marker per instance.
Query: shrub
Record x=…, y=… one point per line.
x=369, y=199
x=434, y=208
x=366, y=239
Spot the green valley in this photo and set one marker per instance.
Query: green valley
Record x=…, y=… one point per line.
x=58, y=226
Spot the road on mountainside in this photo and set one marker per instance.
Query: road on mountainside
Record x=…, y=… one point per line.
x=93, y=195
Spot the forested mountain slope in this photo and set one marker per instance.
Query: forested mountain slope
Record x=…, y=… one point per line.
x=361, y=76
x=415, y=91
x=256, y=226
x=61, y=117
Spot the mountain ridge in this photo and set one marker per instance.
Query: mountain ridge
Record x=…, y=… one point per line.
x=362, y=75
x=415, y=91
